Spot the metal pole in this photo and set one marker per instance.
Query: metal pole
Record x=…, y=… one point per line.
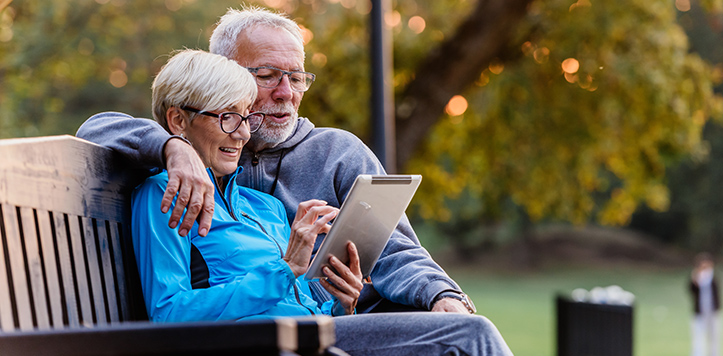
x=382, y=94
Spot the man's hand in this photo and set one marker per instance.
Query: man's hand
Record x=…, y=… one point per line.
x=311, y=220
x=450, y=305
x=346, y=284
x=187, y=178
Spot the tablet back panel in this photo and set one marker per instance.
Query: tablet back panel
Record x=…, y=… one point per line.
x=368, y=217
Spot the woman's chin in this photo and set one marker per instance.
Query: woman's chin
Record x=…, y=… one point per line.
x=224, y=170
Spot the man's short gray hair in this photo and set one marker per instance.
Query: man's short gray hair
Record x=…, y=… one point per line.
x=201, y=80
x=224, y=40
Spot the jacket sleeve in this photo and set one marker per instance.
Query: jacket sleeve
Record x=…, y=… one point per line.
x=405, y=272
x=163, y=259
x=139, y=141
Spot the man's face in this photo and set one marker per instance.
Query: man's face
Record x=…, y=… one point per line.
x=275, y=47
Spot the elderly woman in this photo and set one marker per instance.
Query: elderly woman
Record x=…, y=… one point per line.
x=249, y=263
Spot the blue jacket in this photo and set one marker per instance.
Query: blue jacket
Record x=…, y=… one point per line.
x=237, y=268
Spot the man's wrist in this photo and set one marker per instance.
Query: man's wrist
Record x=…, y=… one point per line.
x=165, y=154
x=464, y=298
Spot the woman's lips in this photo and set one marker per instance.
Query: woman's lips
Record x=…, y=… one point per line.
x=231, y=151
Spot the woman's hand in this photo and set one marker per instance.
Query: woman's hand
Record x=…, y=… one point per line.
x=311, y=220
x=346, y=284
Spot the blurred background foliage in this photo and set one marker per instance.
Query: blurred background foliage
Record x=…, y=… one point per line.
x=598, y=111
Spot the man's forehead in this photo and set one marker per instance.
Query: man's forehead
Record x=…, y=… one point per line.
x=270, y=46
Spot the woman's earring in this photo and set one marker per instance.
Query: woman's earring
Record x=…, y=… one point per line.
x=182, y=135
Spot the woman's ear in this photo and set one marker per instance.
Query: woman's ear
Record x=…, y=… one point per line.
x=176, y=120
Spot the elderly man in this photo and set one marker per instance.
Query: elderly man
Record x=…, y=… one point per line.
x=288, y=158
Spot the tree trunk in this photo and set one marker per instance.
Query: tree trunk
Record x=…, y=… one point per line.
x=484, y=36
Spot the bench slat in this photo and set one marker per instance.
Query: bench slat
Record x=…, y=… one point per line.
x=66, y=269
x=94, y=272
x=52, y=275
x=105, y=253
x=81, y=274
x=120, y=277
x=34, y=265
x=17, y=268
x=7, y=320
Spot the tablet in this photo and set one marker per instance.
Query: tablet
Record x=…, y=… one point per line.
x=368, y=216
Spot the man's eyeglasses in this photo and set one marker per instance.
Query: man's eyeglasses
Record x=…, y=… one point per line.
x=230, y=121
x=270, y=77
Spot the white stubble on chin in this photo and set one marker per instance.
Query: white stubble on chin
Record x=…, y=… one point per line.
x=273, y=133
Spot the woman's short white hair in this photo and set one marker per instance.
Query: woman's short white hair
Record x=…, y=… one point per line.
x=224, y=40
x=201, y=80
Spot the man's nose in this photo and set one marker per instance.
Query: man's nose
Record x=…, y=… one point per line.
x=283, y=91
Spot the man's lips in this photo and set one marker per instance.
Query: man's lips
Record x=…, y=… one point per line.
x=278, y=117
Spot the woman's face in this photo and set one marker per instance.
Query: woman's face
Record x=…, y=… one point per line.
x=217, y=149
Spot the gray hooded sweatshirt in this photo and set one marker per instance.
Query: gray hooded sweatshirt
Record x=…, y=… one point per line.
x=314, y=163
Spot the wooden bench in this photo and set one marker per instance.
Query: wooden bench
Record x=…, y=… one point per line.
x=68, y=279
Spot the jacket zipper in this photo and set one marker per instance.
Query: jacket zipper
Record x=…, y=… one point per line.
x=281, y=252
x=296, y=289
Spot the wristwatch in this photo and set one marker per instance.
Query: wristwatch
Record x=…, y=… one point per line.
x=464, y=298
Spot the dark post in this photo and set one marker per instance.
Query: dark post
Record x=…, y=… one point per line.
x=382, y=103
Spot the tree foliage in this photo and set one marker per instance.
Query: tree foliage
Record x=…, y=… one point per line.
x=633, y=100
x=592, y=142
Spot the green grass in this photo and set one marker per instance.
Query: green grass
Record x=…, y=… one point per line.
x=522, y=305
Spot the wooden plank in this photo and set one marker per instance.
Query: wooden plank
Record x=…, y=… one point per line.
x=119, y=269
x=94, y=271
x=53, y=280
x=81, y=273
x=64, y=174
x=66, y=270
x=34, y=265
x=17, y=268
x=7, y=320
x=104, y=250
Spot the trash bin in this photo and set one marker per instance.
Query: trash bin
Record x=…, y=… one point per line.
x=593, y=329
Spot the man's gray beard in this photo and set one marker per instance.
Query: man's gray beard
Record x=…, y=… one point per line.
x=271, y=133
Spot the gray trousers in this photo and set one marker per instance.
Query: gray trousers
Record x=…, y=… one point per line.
x=420, y=333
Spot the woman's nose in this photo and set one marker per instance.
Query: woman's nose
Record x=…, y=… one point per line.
x=242, y=133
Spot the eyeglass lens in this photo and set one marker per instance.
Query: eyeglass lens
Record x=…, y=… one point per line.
x=231, y=121
x=271, y=77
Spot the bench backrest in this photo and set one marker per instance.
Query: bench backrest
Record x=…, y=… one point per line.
x=66, y=257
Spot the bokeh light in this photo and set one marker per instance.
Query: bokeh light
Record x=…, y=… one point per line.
x=393, y=19
x=118, y=78
x=496, y=67
x=417, y=24
x=456, y=106
x=319, y=60
x=306, y=34
x=570, y=65
x=682, y=5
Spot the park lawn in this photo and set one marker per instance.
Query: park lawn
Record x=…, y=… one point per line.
x=522, y=305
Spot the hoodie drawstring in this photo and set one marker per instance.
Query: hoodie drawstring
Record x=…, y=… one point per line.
x=278, y=169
